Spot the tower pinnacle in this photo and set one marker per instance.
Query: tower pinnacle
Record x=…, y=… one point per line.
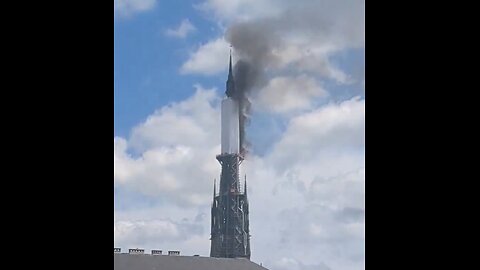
x=230, y=92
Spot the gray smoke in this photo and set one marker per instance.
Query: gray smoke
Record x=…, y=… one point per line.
x=316, y=23
x=246, y=75
x=249, y=70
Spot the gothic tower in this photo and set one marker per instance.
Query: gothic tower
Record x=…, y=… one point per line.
x=230, y=234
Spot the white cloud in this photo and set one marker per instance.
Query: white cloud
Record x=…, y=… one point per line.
x=315, y=176
x=326, y=130
x=151, y=229
x=311, y=185
x=210, y=58
x=168, y=125
x=286, y=94
x=185, y=28
x=337, y=21
x=136, y=232
x=234, y=10
x=175, y=137
x=307, y=57
x=126, y=8
x=302, y=36
x=307, y=194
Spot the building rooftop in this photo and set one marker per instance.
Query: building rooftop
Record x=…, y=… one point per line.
x=124, y=261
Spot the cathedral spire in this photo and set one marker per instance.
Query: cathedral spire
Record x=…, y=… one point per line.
x=230, y=234
x=230, y=81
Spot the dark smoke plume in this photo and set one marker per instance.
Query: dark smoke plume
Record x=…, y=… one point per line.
x=340, y=23
x=245, y=77
x=252, y=47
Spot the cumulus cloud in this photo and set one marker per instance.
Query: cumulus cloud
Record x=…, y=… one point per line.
x=140, y=232
x=126, y=8
x=336, y=22
x=210, y=58
x=306, y=195
x=284, y=35
x=307, y=58
x=161, y=228
x=185, y=28
x=175, y=137
x=286, y=94
x=228, y=11
x=168, y=126
x=312, y=187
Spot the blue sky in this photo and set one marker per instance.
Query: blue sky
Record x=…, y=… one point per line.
x=147, y=62
x=306, y=129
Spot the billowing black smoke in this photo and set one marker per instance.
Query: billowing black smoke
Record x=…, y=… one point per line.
x=305, y=23
x=253, y=47
x=245, y=78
